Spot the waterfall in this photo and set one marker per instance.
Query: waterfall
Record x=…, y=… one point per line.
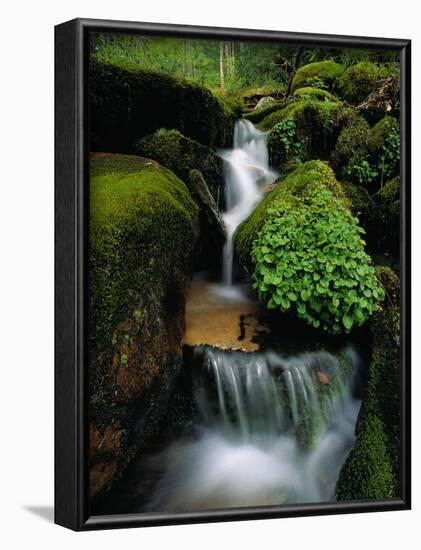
x=275, y=430
x=246, y=169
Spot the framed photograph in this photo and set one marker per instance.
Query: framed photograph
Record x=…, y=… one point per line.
x=232, y=274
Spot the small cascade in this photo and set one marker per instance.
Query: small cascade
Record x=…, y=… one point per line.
x=255, y=395
x=246, y=169
x=275, y=430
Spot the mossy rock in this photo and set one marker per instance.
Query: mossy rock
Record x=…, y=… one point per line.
x=143, y=230
x=371, y=471
x=390, y=283
x=257, y=115
x=317, y=121
x=360, y=204
x=368, y=474
x=380, y=131
x=312, y=172
x=252, y=95
x=386, y=223
x=128, y=104
x=358, y=81
x=318, y=75
x=314, y=93
x=351, y=147
x=181, y=154
x=304, y=249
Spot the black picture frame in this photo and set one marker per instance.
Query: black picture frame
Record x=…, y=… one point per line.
x=71, y=249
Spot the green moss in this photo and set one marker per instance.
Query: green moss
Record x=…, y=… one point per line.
x=315, y=93
x=358, y=81
x=127, y=104
x=390, y=283
x=372, y=468
x=380, y=131
x=318, y=123
x=319, y=75
x=180, y=154
x=250, y=96
x=360, y=203
x=143, y=227
x=312, y=172
x=351, y=146
x=386, y=226
x=258, y=115
x=369, y=474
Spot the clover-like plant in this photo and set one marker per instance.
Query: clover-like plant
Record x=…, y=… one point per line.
x=309, y=258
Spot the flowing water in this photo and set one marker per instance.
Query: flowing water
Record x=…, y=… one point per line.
x=272, y=429
x=247, y=169
x=269, y=428
x=275, y=430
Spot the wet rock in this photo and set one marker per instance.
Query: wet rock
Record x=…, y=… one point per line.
x=323, y=378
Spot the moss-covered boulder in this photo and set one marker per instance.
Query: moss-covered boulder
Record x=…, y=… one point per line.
x=323, y=74
x=312, y=171
x=351, y=147
x=358, y=81
x=371, y=471
x=128, y=104
x=380, y=133
x=306, y=255
x=386, y=218
x=251, y=96
x=318, y=123
x=360, y=204
x=143, y=231
x=181, y=154
x=257, y=115
x=314, y=93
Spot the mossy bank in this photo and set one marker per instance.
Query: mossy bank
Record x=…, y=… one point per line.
x=143, y=230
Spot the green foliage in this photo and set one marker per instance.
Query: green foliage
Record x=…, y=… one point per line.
x=383, y=144
x=351, y=147
x=308, y=174
x=283, y=144
x=317, y=123
x=318, y=75
x=198, y=61
x=380, y=132
x=358, y=81
x=362, y=172
x=181, y=154
x=309, y=257
x=390, y=155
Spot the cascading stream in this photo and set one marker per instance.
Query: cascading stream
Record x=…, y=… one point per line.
x=273, y=429
x=246, y=169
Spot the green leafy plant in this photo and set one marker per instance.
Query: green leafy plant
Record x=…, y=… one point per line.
x=309, y=258
x=362, y=172
x=390, y=154
x=283, y=143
